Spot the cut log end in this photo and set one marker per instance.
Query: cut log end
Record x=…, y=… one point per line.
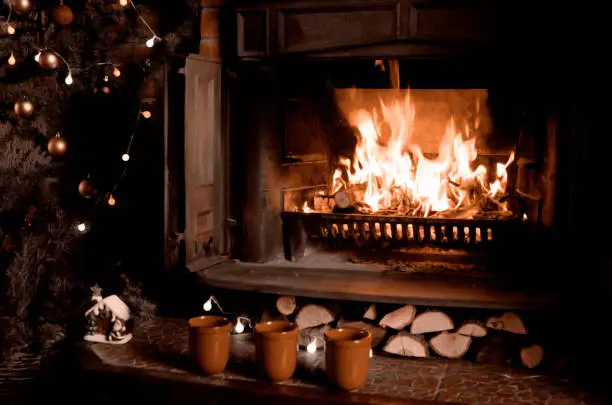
x=405, y=344
x=509, y=322
x=532, y=356
x=431, y=321
x=472, y=329
x=371, y=313
x=450, y=345
x=313, y=315
x=400, y=318
x=342, y=200
x=286, y=304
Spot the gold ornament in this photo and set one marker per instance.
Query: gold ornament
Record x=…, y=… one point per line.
x=57, y=146
x=86, y=189
x=62, y=15
x=22, y=6
x=24, y=108
x=48, y=60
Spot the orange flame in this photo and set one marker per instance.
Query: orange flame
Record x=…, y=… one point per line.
x=397, y=176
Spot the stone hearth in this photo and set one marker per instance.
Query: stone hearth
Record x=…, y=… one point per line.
x=160, y=350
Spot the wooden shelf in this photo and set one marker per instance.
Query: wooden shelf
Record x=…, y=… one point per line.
x=372, y=286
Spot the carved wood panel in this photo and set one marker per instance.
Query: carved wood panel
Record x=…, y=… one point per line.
x=309, y=29
x=363, y=28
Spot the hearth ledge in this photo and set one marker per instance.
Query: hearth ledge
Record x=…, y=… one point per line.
x=372, y=286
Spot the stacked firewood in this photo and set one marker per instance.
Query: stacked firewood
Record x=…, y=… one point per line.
x=410, y=332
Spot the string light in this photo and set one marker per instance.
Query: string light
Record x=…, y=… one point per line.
x=69, y=79
x=123, y=3
x=146, y=114
x=82, y=227
x=312, y=346
x=37, y=57
x=12, y=60
x=371, y=353
x=125, y=157
x=111, y=200
x=116, y=72
x=208, y=306
x=151, y=41
x=10, y=29
x=239, y=328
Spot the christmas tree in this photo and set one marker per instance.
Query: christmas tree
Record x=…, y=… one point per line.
x=51, y=52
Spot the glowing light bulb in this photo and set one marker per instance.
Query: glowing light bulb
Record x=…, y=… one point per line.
x=151, y=42
x=68, y=80
x=125, y=157
x=81, y=227
x=239, y=328
x=208, y=305
x=524, y=217
x=123, y=3
x=371, y=353
x=111, y=200
x=37, y=57
x=146, y=114
x=106, y=78
x=116, y=72
x=12, y=60
x=312, y=346
x=10, y=29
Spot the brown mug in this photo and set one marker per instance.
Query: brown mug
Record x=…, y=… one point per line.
x=276, y=345
x=347, y=357
x=209, y=342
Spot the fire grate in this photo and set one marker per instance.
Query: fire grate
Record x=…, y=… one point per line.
x=359, y=229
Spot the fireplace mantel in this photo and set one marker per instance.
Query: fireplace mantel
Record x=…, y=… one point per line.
x=365, y=28
x=338, y=29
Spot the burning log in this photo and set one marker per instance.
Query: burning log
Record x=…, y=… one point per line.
x=371, y=313
x=400, y=318
x=450, y=345
x=509, y=322
x=313, y=315
x=286, y=304
x=378, y=334
x=472, y=329
x=405, y=344
x=532, y=356
x=431, y=321
x=312, y=336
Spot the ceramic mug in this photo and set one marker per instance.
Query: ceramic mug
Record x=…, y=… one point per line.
x=276, y=345
x=209, y=342
x=347, y=357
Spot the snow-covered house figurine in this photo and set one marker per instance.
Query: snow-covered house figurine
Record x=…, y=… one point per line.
x=107, y=319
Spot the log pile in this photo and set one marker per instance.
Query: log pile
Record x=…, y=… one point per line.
x=409, y=331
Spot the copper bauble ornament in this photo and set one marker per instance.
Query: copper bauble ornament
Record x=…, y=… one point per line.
x=48, y=60
x=24, y=108
x=57, y=146
x=22, y=6
x=86, y=189
x=62, y=15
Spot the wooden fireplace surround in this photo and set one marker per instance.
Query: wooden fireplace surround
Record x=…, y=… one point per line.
x=249, y=38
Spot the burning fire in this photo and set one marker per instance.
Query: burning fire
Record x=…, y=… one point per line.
x=389, y=174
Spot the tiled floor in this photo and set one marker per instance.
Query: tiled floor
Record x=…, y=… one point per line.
x=162, y=347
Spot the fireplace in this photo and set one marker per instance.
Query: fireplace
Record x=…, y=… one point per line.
x=375, y=135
